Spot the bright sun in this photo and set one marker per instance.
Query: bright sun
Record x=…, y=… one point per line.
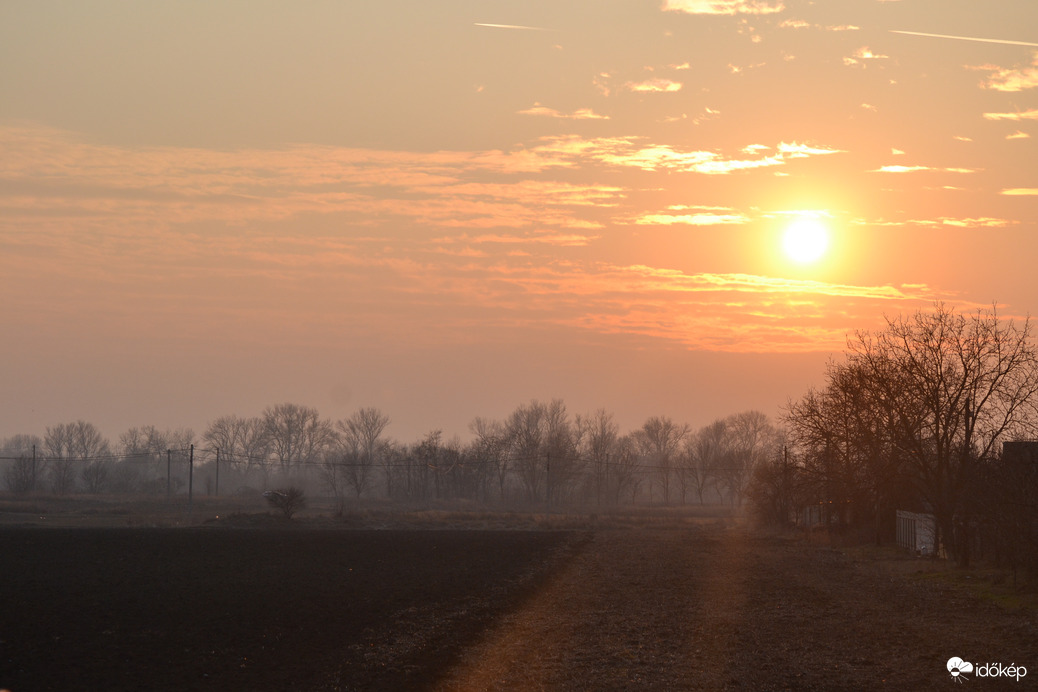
x=806, y=240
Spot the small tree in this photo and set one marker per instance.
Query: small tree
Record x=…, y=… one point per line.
x=286, y=500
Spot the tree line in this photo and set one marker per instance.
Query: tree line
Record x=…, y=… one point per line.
x=540, y=454
x=915, y=417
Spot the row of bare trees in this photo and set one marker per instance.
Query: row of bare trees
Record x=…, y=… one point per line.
x=913, y=417
x=539, y=454
x=76, y=457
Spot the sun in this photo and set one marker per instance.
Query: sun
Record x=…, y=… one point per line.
x=806, y=240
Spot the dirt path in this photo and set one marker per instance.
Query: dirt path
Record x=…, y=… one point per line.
x=709, y=609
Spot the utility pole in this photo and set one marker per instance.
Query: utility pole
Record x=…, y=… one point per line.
x=169, y=474
x=34, y=468
x=217, y=472
x=547, y=481
x=190, y=475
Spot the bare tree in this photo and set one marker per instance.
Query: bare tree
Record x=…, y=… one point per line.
x=705, y=453
x=776, y=489
x=599, y=437
x=751, y=439
x=27, y=468
x=924, y=402
x=72, y=445
x=659, y=440
x=563, y=465
x=525, y=429
x=242, y=442
x=144, y=449
x=490, y=447
x=626, y=475
x=296, y=435
x=956, y=386
x=362, y=436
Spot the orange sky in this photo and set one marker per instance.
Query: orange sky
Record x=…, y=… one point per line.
x=446, y=209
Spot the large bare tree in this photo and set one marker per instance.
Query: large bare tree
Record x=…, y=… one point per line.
x=296, y=435
x=77, y=445
x=243, y=442
x=27, y=466
x=599, y=437
x=490, y=448
x=956, y=386
x=659, y=440
x=927, y=400
x=364, y=447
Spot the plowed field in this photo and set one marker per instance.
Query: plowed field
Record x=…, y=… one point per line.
x=702, y=608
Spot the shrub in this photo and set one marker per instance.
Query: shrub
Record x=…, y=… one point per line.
x=286, y=500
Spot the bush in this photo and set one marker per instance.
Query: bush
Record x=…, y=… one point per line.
x=286, y=500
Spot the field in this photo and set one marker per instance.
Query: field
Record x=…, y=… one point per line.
x=660, y=603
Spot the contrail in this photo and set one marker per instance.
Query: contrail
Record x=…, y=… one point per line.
x=514, y=26
x=966, y=38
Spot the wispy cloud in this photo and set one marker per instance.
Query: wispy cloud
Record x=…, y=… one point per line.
x=1025, y=115
x=1014, y=79
x=579, y=114
x=557, y=239
x=863, y=55
x=802, y=24
x=636, y=152
x=941, y=221
x=655, y=85
x=723, y=7
x=703, y=218
x=916, y=169
x=1021, y=191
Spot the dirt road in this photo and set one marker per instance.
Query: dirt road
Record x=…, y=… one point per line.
x=711, y=609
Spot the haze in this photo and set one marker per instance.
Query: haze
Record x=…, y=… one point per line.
x=446, y=209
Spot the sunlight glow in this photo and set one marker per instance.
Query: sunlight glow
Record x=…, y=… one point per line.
x=806, y=240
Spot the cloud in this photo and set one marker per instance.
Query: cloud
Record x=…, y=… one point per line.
x=941, y=221
x=1012, y=79
x=636, y=152
x=556, y=239
x=711, y=311
x=801, y=24
x=796, y=150
x=1018, y=135
x=981, y=222
x=723, y=7
x=915, y=169
x=863, y=54
x=52, y=173
x=1026, y=115
x=655, y=85
x=704, y=218
x=1021, y=191
x=579, y=114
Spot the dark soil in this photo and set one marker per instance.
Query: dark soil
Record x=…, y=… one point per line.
x=703, y=608
x=264, y=609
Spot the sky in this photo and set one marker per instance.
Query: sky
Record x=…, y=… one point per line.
x=447, y=209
